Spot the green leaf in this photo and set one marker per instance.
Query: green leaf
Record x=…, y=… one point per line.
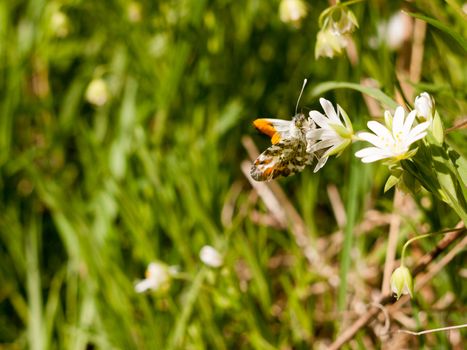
x=461, y=165
x=391, y=182
x=443, y=27
x=433, y=168
x=377, y=94
x=438, y=130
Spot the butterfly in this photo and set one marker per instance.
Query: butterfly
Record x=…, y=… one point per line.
x=288, y=154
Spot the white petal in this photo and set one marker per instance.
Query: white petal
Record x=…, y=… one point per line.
x=320, y=145
x=329, y=133
x=365, y=152
x=329, y=110
x=418, y=129
x=409, y=122
x=379, y=129
x=374, y=158
x=319, y=119
x=372, y=153
x=416, y=138
x=373, y=139
x=398, y=122
x=315, y=134
x=321, y=162
x=144, y=285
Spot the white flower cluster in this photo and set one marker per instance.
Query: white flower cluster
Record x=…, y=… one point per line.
x=394, y=139
x=391, y=141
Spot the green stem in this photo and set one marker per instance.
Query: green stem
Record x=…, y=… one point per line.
x=348, y=233
x=33, y=286
x=410, y=241
x=413, y=239
x=190, y=300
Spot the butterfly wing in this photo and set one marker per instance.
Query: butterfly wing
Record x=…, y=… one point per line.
x=276, y=129
x=284, y=158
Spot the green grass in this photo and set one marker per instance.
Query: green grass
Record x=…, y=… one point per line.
x=90, y=195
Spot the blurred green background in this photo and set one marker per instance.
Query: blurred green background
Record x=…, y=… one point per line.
x=121, y=132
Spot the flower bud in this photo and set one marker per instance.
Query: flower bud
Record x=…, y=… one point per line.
x=211, y=257
x=97, y=92
x=402, y=282
x=437, y=129
x=424, y=106
x=292, y=11
x=60, y=24
x=343, y=21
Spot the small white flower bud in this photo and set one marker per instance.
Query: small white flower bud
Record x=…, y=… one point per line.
x=59, y=24
x=424, y=106
x=97, y=92
x=292, y=11
x=211, y=257
x=402, y=282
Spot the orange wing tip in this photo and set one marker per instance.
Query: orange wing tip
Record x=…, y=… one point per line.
x=265, y=127
x=275, y=138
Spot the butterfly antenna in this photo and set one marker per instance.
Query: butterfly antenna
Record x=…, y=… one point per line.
x=300, y=96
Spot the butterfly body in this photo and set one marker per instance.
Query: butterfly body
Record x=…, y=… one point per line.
x=288, y=153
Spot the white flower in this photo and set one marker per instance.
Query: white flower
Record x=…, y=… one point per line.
x=333, y=134
x=424, y=106
x=97, y=92
x=329, y=43
x=292, y=11
x=392, y=140
x=210, y=256
x=158, y=277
